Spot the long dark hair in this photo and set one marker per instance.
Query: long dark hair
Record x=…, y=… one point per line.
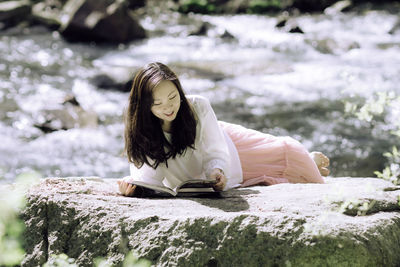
x=144, y=138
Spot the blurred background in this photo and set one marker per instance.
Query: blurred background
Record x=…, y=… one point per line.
x=282, y=67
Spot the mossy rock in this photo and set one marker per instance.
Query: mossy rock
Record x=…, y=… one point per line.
x=197, y=6
x=279, y=225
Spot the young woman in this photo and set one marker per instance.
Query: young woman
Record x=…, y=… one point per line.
x=171, y=137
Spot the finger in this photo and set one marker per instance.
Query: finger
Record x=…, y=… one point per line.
x=218, y=186
x=122, y=189
x=218, y=189
x=222, y=183
x=131, y=191
x=128, y=189
x=121, y=186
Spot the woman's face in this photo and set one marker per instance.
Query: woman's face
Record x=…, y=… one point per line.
x=166, y=102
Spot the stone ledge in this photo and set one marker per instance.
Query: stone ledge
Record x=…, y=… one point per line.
x=280, y=225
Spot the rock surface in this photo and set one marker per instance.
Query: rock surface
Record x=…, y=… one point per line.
x=100, y=21
x=13, y=12
x=251, y=6
x=345, y=222
x=47, y=13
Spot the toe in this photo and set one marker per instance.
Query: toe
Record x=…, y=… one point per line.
x=320, y=159
x=324, y=171
x=325, y=161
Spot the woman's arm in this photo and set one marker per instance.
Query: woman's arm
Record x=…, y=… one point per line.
x=144, y=174
x=216, y=153
x=126, y=188
x=219, y=176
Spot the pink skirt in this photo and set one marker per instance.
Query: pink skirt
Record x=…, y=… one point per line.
x=268, y=160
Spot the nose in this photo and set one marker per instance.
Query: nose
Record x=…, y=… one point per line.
x=168, y=105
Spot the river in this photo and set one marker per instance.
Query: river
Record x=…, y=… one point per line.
x=264, y=78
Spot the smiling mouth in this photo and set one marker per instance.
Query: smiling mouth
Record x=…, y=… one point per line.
x=169, y=114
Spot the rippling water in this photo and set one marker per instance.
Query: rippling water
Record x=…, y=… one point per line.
x=264, y=78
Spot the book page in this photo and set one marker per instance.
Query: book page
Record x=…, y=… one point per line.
x=196, y=189
x=197, y=186
x=155, y=187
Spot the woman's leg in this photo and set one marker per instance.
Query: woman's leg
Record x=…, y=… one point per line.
x=267, y=159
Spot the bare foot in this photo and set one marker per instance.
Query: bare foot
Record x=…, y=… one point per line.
x=324, y=171
x=320, y=159
x=126, y=188
x=322, y=162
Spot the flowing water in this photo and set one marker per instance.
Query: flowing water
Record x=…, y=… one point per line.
x=264, y=78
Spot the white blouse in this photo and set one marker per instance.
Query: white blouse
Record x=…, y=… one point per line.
x=213, y=149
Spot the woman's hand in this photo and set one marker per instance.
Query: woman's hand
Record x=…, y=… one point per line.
x=126, y=188
x=218, y=175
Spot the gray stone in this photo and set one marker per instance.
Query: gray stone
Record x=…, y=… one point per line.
x=48, y=13
x=329, y=45
x=338, y=7
x=345, y=222
x=395, y=27
x=65, y=115
x=134, y=4
x=99, y=21
x=13, y=12
x=104, y=81
x=245, y=6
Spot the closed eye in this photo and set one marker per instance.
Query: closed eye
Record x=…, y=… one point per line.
x=172, y=97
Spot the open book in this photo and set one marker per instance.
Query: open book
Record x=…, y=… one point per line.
x=190, y=187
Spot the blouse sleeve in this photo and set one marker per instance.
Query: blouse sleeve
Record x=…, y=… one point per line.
x=146, y=174
x=216, y=152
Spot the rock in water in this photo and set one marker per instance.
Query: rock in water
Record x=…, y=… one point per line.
x=338, y=7
x=395, y=27
x=99, y=21
x=64, y=116
x=13, y=12
x=48, y=13
x=345, y=222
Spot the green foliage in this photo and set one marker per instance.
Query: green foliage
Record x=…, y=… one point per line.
x=374, y=106
x=263, y=6
x=131, y=260
x=196, y=6
x=392, y=171
x=12, y=201
x=387, y=106
x=61, y=260
x=356, y=207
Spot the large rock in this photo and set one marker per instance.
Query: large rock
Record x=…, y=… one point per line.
x=13, y=12
x=395, y=27
x=99, y=21
x=251, y=6
x=345, y=222
x=66, y=115
x=48, y=13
